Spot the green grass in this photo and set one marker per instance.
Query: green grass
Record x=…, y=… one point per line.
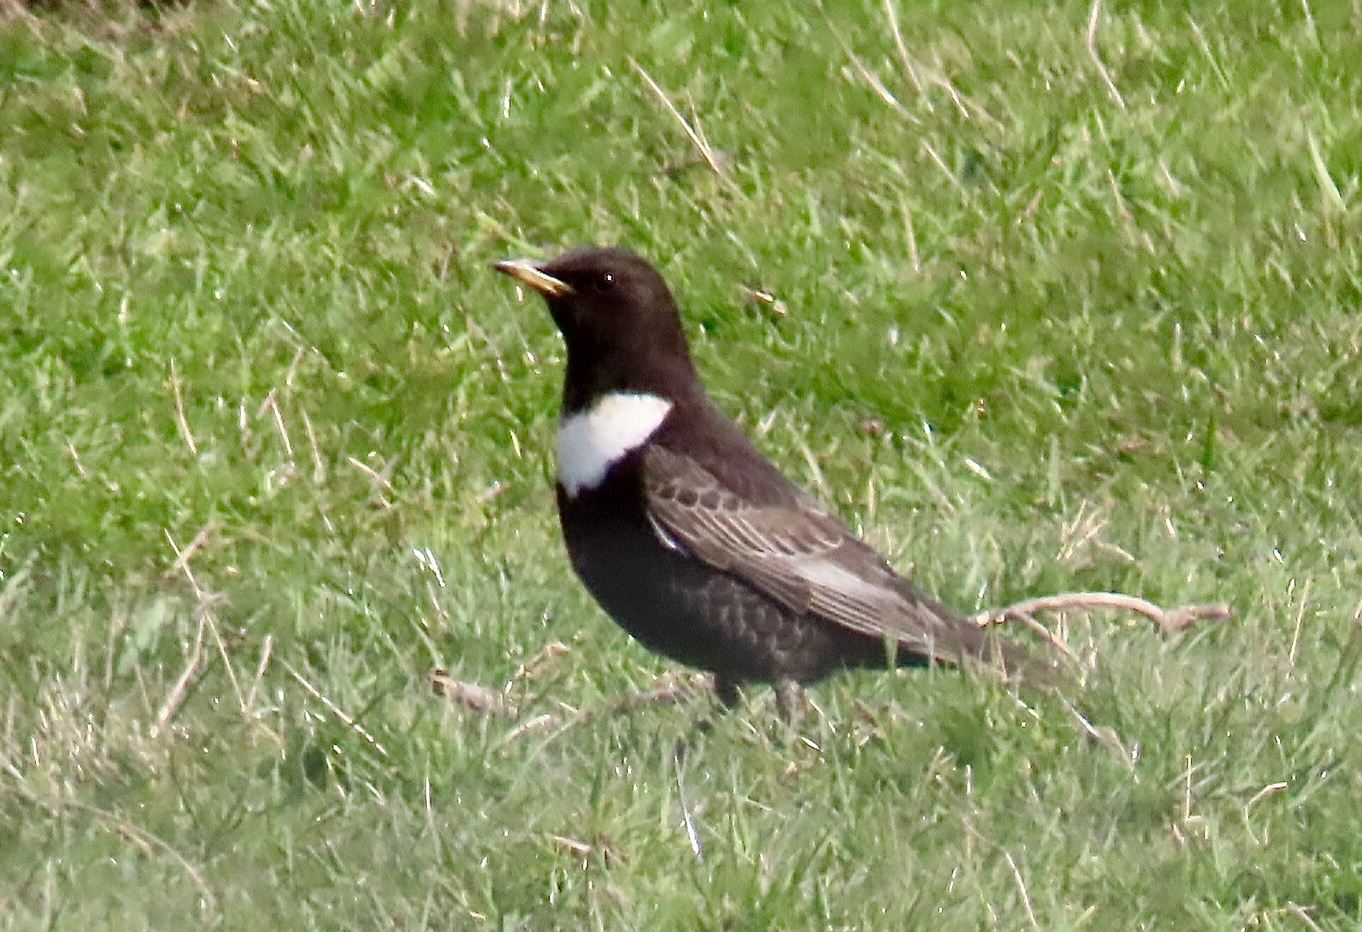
x=245, y=300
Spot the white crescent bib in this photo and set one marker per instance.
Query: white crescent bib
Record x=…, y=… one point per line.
x=591, y=441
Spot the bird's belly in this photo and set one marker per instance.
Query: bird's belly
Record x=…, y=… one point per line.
x=700, y=616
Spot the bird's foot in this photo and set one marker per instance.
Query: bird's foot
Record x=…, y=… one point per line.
x=791, y=703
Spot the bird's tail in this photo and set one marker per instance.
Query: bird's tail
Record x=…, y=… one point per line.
x=959, y=641
x=1016, y=665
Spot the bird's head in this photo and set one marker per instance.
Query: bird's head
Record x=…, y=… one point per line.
x=620, y=323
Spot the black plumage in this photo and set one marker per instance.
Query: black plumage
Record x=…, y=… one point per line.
x=688, y=536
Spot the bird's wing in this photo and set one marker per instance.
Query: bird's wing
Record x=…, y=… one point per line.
x=800, y=556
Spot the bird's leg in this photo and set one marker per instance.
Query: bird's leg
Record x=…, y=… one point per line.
x=726, y=688
x=790, y=703
x=728, y=694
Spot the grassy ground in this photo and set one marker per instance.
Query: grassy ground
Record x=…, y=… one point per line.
x=274, y=446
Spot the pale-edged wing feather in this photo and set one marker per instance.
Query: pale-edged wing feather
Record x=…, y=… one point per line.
x=801, y=556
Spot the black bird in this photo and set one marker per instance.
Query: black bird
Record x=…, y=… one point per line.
x=687, y=535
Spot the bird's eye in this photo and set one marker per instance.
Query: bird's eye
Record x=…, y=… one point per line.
x=604, y=282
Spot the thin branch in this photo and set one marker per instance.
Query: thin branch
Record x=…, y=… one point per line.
x=1044, y=633
x=530, y=668
x=542, y=722
x=1302, y=913
x=476, y=697
x=1170, y=621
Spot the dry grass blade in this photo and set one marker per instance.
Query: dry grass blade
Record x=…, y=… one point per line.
x=336, y=710
x=882, y=92
x=1021, y=888
x=1103, y=735
x=668, y=689
x=180, y=691
x=712, y=158
x=1090, y=42
x=181, y=422
x=146, y=840
x=963, y=104
x=182, y=557
x=902, y=48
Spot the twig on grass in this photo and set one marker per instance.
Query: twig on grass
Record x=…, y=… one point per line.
x=1038, y=629
x=531, y=668
x=478, y=698
x=487, y=700
x=667, y=689
x=670, y=688
x=1170, y=621
x=544, y=722
x=17, y=10
x=1295, y=909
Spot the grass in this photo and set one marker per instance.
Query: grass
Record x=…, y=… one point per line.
x=274, y=446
